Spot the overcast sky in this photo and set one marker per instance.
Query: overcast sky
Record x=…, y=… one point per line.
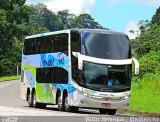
x=117, y=15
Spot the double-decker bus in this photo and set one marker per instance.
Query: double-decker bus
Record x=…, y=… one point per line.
x=77, y=68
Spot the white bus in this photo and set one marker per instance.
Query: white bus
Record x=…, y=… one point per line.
x=77, y=68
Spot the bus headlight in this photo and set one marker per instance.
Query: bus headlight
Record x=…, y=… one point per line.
x=127, y=97
x=84, y=93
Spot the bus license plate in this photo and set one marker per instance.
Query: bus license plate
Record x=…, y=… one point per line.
x=105, y=105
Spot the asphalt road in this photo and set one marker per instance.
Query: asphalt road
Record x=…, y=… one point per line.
x=13, y=109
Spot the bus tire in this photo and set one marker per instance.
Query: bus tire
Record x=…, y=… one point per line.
x=34, y=101
x=103, y=111
x=107, y=111
x=68, y=108
x=29, y=99
x=60, y=103
x=112, y=111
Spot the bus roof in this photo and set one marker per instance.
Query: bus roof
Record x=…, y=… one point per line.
x=98, y=31
x=75, y=29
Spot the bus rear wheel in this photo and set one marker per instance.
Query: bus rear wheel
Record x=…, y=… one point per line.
x=60, y=103
x=108, y=111
x=35, y=103
x=69, y=108
x=29, y=99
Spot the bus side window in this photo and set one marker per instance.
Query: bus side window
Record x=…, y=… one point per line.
x=58, y=72
x=49, y=73
x=49, y=48
x=41, y=75
x=29, y=47
x=33, y=44
x=64, y=43
x=26, y=49
x=52, y=75
x=38, y=46
x=43, y=44
x=75, y=47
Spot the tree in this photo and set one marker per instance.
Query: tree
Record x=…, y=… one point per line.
x=66, y=18
x=86, y=21
x=18, y=20
x=12, y=14
x=156, y=17
x=43, y=17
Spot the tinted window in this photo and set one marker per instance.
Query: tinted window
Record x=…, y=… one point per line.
x=57, y=43
x=52, y=75
x=41, y=75
x=46, y=44
x=75, y=47
x=43, y=44
x=108, y=46
x=75, y=41
x=27, y=47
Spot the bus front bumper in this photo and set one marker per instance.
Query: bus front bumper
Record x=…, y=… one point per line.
x=88, y=102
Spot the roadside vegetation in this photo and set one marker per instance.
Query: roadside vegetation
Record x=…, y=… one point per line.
x=8, y=78
x=145, y=94
x=146, y=86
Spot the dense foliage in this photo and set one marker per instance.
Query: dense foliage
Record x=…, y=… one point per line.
x=146, y=86
x=12, y=15
x=147, y=49
x=18, y=20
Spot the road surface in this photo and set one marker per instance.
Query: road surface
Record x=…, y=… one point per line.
x=13, y=109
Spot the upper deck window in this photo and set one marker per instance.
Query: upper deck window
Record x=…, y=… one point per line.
x=46, y=44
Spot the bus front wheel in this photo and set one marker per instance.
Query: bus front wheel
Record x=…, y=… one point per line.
x=108, y=111
x=112, y=111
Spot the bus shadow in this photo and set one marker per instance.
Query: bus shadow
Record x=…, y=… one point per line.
x=55, y=108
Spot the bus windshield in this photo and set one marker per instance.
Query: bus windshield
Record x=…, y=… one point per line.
x=106, y=46
x=106, y=77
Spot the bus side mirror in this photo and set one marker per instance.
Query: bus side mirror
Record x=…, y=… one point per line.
x=136, y=65
x=80, y=60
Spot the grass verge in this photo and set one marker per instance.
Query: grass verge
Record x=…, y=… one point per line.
x=145, y=95
x=7, y=78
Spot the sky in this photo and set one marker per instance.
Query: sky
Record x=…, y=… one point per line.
x=117, y=15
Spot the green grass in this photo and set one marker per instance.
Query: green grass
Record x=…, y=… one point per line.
x=6, y=78
x=145, y=95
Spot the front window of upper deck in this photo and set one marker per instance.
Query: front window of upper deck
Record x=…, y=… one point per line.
x=106, y=45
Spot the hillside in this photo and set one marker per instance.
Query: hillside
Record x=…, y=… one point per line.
x=18, y=20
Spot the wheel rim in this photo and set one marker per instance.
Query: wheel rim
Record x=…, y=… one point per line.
x=34, y=100
x=29, y=100
x=66, y=103
x=59, y=102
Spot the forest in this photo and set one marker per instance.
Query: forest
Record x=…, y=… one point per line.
x=18, y=20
